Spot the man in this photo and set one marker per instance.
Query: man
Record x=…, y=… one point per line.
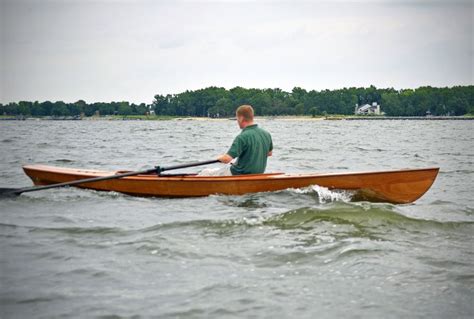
x=251, y=148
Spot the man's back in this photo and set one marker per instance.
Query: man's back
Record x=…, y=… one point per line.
x=252, y=147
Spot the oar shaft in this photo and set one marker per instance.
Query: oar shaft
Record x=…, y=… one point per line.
x=157, y=170
x=169, y=168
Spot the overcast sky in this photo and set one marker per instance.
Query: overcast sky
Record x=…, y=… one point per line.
x=131, y=50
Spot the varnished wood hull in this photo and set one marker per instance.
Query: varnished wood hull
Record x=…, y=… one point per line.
x=400, y=186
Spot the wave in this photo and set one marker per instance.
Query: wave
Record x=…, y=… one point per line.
x=71, y=194
x=63, y=160
x=306, y=149
x=365, y=149
x=82, y=230
x=69, y=230
x=359, y=215
x=457, y=171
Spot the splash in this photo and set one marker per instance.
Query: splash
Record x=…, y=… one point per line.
x=324, y=194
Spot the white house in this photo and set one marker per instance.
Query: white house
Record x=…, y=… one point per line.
x=368, y=109
x=151, y=111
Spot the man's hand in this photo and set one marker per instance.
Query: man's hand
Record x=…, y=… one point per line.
x=270, y=153
x=225, y=158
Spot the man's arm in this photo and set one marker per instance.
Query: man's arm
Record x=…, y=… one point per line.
x=271, y=147
x=225, y=158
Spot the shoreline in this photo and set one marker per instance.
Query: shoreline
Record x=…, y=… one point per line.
x=266, y=118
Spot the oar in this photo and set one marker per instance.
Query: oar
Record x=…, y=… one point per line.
x=9, y=192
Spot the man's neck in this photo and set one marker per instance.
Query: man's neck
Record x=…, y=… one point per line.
x=246, y=124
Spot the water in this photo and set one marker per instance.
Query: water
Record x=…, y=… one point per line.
x=306, y=253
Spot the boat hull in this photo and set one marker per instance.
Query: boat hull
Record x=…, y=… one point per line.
x=399, y=186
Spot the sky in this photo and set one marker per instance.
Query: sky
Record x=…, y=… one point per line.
x=131, y=50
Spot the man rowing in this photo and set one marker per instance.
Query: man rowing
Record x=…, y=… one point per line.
x=250, y=149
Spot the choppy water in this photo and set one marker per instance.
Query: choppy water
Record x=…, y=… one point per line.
x=297, y=253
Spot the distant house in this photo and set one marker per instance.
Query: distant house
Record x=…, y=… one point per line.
x=367, y=109
x=151, y=111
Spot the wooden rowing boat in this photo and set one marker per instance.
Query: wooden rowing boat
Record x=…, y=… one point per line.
x=398, y=186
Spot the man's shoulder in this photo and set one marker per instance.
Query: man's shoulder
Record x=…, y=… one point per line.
x=263, y=131
x=256, y=130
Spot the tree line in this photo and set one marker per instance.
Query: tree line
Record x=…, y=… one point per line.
x=60, y=108
x=220, y=102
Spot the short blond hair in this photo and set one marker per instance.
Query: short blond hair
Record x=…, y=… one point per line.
x=246, y=111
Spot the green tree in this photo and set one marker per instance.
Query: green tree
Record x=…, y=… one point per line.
x=37, y=109
x=78, y=107
x=391, y=104
x=299, y=109
x=458, y=105
x=47, y=107
x=222, y=108
x=105, y=108
x=59, y=109
x=140, y=109
x=125, y=108
x=24, y=108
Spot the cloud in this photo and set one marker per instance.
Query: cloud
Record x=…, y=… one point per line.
x=131, y=50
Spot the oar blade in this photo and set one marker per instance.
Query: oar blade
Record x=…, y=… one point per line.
x=9, y=192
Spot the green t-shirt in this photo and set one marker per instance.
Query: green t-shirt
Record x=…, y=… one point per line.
x=251, y=147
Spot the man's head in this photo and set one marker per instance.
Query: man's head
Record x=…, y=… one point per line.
x=244, y=116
